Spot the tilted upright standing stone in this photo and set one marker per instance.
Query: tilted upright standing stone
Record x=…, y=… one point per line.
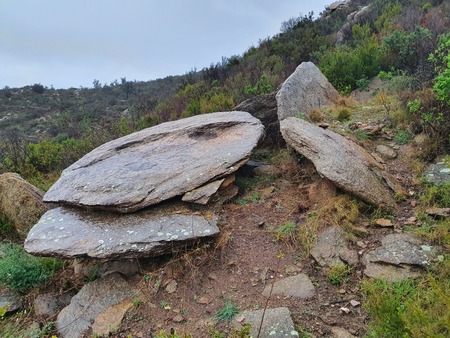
x=342, y=161
x=305, y=89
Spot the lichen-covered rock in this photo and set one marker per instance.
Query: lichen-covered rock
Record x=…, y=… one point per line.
x=399, y=257
x=20, y=202
x=331, y=248
x=298, y=286
x=305, y=89
x=71, y=233
x=91, y=302
x=158, y=163
x=276, y=322
x=340, y=160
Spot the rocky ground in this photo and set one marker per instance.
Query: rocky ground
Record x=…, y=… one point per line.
x=289, y=241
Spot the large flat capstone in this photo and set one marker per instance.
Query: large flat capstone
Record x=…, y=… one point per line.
x=159, y=163
x=68, y=233
x=342, y=161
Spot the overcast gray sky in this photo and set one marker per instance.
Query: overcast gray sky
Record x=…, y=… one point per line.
x=69, y=43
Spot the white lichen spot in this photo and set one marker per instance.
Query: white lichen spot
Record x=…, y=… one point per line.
x=61, y=219
x=134, y=246
x=426, y=248
x=294, y=333
x=272, y=333
x=61, y=228
x=173, y=237
x=207, y=231
x=101, y=241
x=56, y=240
x=160, y=234
x=44, y=236
x=130, y=231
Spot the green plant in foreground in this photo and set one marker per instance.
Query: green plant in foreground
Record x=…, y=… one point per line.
x=227, y=312
x=362, y=135
x=437, y=196
x=413, y=308
x=164, y=334
x=21, y=271
x=344, y=115
x=286, y=231
x=403, y=136
x=339, y=273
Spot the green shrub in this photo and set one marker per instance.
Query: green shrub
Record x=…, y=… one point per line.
x=21, y=271
x=362, y=84
x=402, y=136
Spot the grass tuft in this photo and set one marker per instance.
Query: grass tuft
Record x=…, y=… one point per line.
x=227, y=312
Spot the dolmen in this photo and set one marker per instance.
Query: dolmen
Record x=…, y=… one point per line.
x=132, y=197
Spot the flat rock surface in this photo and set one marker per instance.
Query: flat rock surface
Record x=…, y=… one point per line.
x=21, y=202
x=109, y=320
x=305, y=89
x=158, y=163
x=49, y=304
x=342, y=161
x=299, y=286
x=277, y=323
x=331, y=248
x=69, y=233
x=398, y=258
x=93, y=299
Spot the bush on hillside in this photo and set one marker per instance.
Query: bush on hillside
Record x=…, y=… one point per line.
x=21, y=272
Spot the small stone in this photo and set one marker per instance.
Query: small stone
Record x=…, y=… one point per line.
x=410, y=221
x=203, y=300
x=345, y=310
x=384, y=222
x=342, y=291
x=178, y=319
x=172, y=286
x=212, y=276
x=413, y=203
x=438, y=212
x=355, y=303
x=240, y=318
x=361, y=244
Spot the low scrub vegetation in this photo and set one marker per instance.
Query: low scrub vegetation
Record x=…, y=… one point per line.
x=21, y=272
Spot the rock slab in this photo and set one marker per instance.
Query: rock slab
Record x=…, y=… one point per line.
x=20, y=202
x=72, y=233
x=342, y=161
x=277, y=323
x=331, y=248
x=93, y=299
x=399, y=257
x=158, y=163
x=305, y=89
x=299, y=286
